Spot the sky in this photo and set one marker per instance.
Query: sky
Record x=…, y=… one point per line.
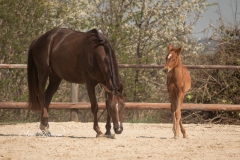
x=211, y=15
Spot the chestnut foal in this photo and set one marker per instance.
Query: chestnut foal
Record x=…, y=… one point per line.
x=178, y=82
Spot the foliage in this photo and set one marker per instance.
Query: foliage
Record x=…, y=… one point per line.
x=139, y=32
x=220, y=86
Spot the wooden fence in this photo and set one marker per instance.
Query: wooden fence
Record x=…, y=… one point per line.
x=128, y=105
x=74, y=106
x=141, y=66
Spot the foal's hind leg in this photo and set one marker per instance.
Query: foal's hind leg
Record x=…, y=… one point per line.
x=182, y=129
x=176, y=103
x=179, y=115
x=174, y=115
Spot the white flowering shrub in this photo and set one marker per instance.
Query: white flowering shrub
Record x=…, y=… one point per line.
x=140, y=31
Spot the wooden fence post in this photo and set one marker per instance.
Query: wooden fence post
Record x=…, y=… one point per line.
x=74, y=98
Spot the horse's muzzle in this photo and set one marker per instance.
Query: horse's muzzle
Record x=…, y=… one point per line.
x=118, y=130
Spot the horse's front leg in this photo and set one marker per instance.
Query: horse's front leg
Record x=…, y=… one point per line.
x=94, y=108
x=108, y=124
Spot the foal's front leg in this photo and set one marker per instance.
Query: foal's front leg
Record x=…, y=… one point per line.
x=174, y=119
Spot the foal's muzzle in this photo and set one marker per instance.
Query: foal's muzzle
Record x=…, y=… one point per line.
x=165, y=70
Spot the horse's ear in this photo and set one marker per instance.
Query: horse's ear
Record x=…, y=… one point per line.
x=179, y=50
x=106, y=89
x=170, y=47
x=120, y=88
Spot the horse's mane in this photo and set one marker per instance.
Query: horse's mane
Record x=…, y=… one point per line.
x=110, y=59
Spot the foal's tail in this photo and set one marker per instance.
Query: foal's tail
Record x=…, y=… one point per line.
x=32, y=77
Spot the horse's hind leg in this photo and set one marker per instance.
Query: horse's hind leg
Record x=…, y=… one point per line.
x=43, y=73
x=54, y=82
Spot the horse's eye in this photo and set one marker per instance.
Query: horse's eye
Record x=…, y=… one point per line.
x=173, y=59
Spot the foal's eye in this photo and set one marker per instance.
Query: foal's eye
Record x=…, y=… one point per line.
x=173, y=59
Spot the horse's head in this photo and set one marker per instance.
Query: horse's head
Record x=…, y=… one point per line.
x=115, y=107
x=172, y=58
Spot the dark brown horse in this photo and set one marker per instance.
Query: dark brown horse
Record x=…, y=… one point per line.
x=76, y=57
x=178, y=82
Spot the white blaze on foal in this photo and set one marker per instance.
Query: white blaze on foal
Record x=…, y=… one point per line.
x=169, y=56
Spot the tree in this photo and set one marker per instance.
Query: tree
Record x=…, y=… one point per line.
x=140, y=31
x=220, y=86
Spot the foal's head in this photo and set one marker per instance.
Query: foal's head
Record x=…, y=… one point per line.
x=172, y=58
x=115, y=107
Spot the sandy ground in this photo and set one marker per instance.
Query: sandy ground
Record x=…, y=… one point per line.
x=138, y=141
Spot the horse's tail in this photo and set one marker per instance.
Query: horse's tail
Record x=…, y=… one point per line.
x=32, y=77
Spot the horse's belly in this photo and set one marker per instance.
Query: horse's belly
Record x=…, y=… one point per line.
x=68, y=73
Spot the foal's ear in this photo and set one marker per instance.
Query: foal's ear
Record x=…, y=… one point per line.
x=179, y=50
x=121, y=88
x=170, y=47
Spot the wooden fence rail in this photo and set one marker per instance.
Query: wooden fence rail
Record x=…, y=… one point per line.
x=128, y=105
x=140, y=106
x=141, y=66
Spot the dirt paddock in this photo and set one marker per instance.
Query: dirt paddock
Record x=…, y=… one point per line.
x=73, y=140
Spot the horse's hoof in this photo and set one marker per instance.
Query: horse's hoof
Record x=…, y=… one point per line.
x=46, y=133
x=42, y=127
x=99, y=135
x=112, y=136
x=185, y=136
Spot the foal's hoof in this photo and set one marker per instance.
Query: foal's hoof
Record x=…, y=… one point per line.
x=175, y=137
